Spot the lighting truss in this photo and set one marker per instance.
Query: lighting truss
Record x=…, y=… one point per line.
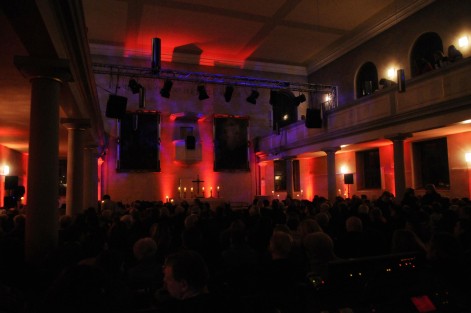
x=209, y=78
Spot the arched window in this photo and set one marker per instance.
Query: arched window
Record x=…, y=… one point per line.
x=367, y=80
x=426, y=52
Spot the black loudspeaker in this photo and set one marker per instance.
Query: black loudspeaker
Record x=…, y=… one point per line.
x=190, y=142
x=11, y=182
x=348, y=179
x=116, y=107
x=156, y=51
x=401, y=80
x=313, y=118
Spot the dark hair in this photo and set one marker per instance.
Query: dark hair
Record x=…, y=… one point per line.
x=190, y=266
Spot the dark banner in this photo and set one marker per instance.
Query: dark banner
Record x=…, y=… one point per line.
x=231, y=151
x=139, y=142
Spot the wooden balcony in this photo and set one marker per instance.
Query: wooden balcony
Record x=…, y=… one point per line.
x=434, y=100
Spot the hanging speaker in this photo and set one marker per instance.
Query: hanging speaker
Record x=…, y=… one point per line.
x=116, y=107
x=348, y=179
x=313, y=118
x=190, y=142
x=11, y=182
x=155, y=65
x=401, y=80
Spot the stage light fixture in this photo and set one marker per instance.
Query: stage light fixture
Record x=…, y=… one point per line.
x=253, y=97
x=202, y=95
x=134, y=86
x=228, y=93
x=300, y=99
x=165, y=91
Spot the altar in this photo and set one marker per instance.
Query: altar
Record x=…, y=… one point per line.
x=213, y=202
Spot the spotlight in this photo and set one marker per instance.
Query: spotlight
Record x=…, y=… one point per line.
x=134, y=85
x=165, y=91
x=202, y=95
x=299, y=99
x=228, y=93
x=253, y=97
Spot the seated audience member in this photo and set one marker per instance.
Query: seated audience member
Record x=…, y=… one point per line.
x=431, y=195
x=405, y=240
x=185, y=279
x=281, y=276
x=354, y=243
x=83, y=289
x=440, y=60
x=448, y=273
x=319, y=248
x=454, y=54
x=107, y=205
x=146, y=272
x=462, y=231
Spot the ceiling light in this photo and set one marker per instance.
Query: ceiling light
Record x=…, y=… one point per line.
x=202, y=95
x=463, y=42
x=134, y=85
x=228, y=93
x=165, y=91
x=253, y=97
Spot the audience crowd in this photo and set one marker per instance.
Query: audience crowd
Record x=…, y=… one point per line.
x=273, y=256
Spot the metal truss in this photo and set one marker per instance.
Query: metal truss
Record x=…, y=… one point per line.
x=209, y=78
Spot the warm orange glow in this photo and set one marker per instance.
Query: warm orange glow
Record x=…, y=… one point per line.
x=142, y=46
x=24, y=164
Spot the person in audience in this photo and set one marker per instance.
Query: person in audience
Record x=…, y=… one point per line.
x=146, y=271
x=83, y=289
x=319, y=249
x=185, y=279
x=281, y=276
x=405, y=240
x=354, y=243
x=431, y=195
x=108, y=205
x=454, y=54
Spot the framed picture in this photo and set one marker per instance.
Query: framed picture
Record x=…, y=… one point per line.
x=231, y=151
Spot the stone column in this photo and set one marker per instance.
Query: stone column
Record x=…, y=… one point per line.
x=289, y=177
x=75, y=155
x=90, y=177
x=331, y=174
x=399, y=168
x=46, y=78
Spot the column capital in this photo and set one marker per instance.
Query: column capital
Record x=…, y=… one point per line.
x=34, y=67
x=398, y=136
x=76, y=123
x=330, y=149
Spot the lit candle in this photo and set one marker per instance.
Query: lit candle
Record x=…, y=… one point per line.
x=166, y=197
x=211, y=192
